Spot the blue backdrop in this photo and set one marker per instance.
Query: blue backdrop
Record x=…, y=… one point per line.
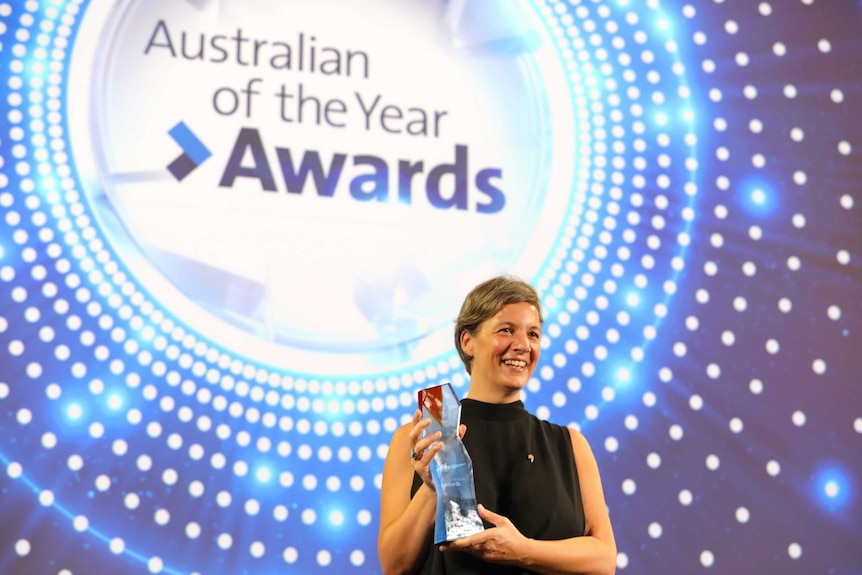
x=235, y=236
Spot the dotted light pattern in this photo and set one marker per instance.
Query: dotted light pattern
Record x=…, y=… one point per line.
x=700, y=308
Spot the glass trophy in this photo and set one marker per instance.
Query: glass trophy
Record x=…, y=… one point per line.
x=452, y=468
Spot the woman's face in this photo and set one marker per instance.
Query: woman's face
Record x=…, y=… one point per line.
x=505, y=348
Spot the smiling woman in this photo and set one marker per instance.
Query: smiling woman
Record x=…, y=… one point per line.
x=537, y=483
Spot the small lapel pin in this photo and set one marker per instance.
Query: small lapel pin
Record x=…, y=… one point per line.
x=530, y=457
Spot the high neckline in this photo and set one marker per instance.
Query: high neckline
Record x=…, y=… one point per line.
x=498, y=411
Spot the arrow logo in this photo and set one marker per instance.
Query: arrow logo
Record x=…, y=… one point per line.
x=194, y=153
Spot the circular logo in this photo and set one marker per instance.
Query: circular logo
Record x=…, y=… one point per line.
x=295, y=186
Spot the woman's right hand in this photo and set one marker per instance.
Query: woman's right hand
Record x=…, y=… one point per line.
x=422, y=450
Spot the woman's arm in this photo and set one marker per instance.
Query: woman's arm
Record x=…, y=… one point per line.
x=593, y=554
x=405, y=523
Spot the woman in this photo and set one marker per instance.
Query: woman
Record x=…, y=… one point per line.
x=538, y=486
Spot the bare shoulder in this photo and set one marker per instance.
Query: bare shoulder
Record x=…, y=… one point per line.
x=580, y=446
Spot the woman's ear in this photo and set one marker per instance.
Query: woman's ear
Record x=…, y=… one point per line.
x=467, y=342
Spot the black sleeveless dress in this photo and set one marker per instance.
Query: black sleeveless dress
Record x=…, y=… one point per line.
x=524, y=470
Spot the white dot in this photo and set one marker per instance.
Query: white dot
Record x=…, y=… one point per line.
x=773, y=468
x=824, y=45
x=224, y=541
x=117, y=545
x=798, y=418
x=794, y=550
x=46, y=498
x=24, y=416
x=654, y=530
x=772, y=346
x=706, y=558
x=80, y=523
x=843, y=257
x=793, y=263
x=819, y=366
x=675, y=432
x=75, y=462
x=653, y=460
x=132, y=500
x=257, y=549
x=290, y=555
x=252, y=507
x=103, y=483
x=742, y=515
x=22, y=547
x=193, y=530
x=713, y=370
x=363, y=517
x=357, y=558
x=622, y=560
x=170, y=476
x=755, y=386
x=162, y=517
x=155, y=565
x=685, y=497
x=712, y=462
x=629, y=486
x=323, y=558
x=736, y=425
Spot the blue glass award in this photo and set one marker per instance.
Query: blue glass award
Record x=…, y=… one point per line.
x=452, y=468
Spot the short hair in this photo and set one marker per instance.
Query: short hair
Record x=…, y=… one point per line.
x=485, y=300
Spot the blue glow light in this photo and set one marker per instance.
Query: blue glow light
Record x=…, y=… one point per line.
x=115, y=401
x=336, y=518
x=833, y=487
x=263, y=474
x=623, y=375
x=758, y=198
x=74, y=411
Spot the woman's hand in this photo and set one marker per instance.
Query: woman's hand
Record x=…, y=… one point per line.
x=501, y=544
x=422, y=451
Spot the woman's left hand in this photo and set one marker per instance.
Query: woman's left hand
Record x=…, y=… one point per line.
x=501, y=544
